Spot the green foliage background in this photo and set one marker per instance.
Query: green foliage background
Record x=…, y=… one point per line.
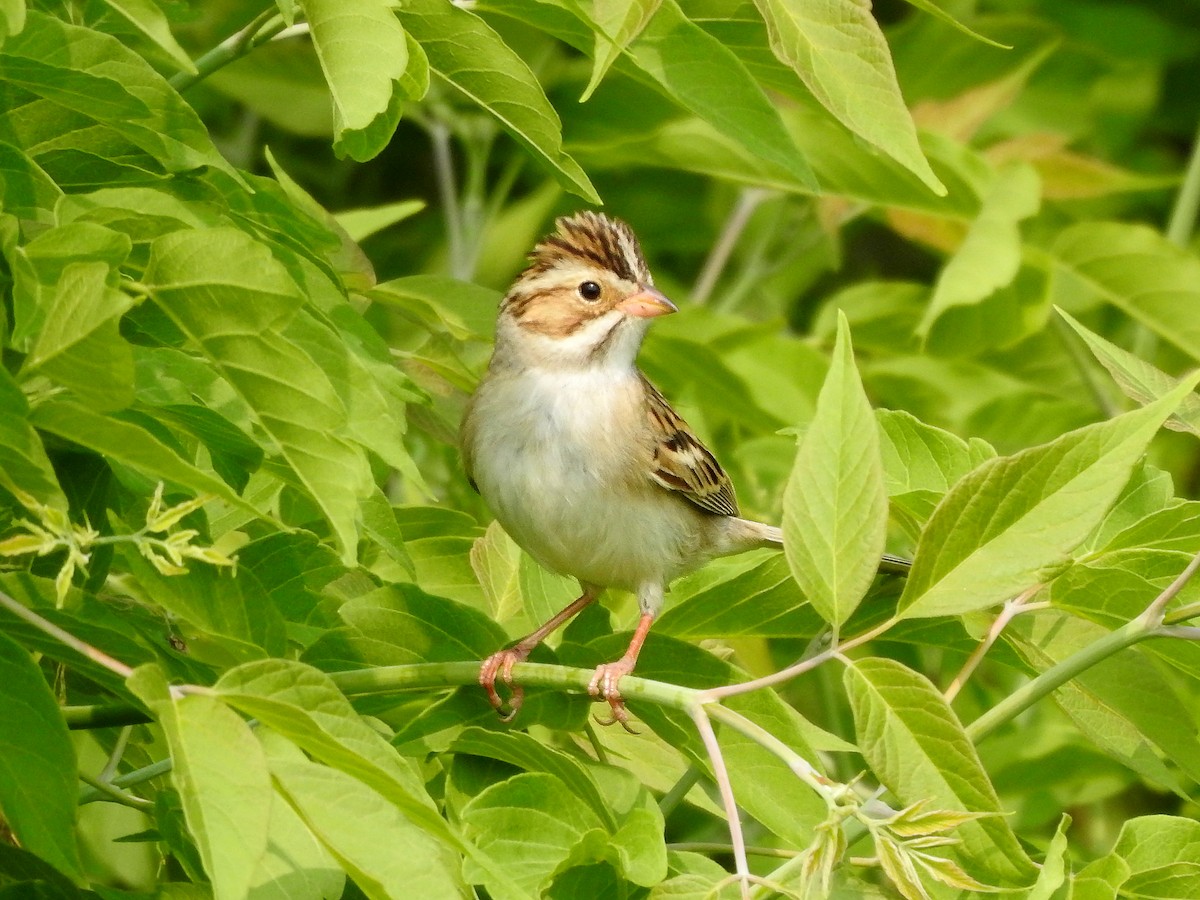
x=251, y=259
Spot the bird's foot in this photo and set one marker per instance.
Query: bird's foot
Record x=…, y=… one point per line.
x=501, y=663
x=605, y=685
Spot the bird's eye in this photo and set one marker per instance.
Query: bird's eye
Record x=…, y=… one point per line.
x=590, y=291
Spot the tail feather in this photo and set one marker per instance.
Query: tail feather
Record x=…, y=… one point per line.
x=749, y=535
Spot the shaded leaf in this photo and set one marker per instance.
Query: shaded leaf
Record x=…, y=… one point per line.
x=38, y=788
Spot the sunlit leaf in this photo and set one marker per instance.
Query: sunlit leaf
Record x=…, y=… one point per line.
x=835, y=506
x=839, y=52
x=1013, y=519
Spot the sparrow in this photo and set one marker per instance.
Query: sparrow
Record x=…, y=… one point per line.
x=579, y=457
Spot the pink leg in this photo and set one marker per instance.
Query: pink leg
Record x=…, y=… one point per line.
x=606, y=682
x=502, y=661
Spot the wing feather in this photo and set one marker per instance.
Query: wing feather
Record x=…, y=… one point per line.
x=681, y=463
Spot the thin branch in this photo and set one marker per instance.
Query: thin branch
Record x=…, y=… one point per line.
x=715, y=847
x=594, y=739
x=109, y=792
x=1148, y=624
x=1010, y=611
x=114, y=758
x=1187, y=202
x=672, y=798
x=748, y=201
x=1155, y=612
x=443, y=167
x=104, y=715
x=261, y=29
x=138, y=776
x=804, y=665
x=64, y=637
x=801, y=767
x=721, y=776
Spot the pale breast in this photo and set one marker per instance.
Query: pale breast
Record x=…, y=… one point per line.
x=560, y=460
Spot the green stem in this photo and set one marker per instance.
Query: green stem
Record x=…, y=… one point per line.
x=109, y=791
x=739, y=217
x=672, y=798
x=261, y=29
x=1058, y=675
x=1183, y=614
x=801, y=767
x=65, y=637
x=1187, y=202
x=104, y=715
x=138, y=776
x=715, y=847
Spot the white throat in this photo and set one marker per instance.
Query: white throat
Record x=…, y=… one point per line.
x=608, y=342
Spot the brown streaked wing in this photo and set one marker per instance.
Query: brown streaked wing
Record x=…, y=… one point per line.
x=681, y=463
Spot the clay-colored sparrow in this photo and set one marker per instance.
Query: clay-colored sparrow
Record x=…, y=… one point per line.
x=578, y=456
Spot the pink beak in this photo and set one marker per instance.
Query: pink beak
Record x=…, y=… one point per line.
x=646, y=304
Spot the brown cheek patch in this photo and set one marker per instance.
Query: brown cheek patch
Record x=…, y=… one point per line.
x=551, y=314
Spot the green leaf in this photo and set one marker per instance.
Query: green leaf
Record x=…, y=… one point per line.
x=12, y=18
x=130, y=445
x=1055, y=868
x=1138, y=379
x=699, y=73
x=364, y=55
x=1175, y=881
x=524, y=751
x=921, y=462
x=1123, y=704
x=916, y=746
x=936, y=11
x=96, y=99
x=1142, y=273
x=386, y=854
x=467, y=311
x=835, y=506
x=24, y=465
x=38, y=788
x=1016, y=518
x=537, y=826
x=220, y=771
x=26, y=190
x=303, y=705
x=990, y=255
x=233, y=299
x=79, y=345
x=617, y=22
x=616, y=798
x=297, y=865
x=467, y=53
x=748, y=597
x=421, y=627
x=707, y=79
x=839, y=52
x=147, y=18
x=360, y=224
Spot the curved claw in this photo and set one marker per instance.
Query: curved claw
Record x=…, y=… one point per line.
x=619, y=714
x=501, y=663
x=605, y=684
